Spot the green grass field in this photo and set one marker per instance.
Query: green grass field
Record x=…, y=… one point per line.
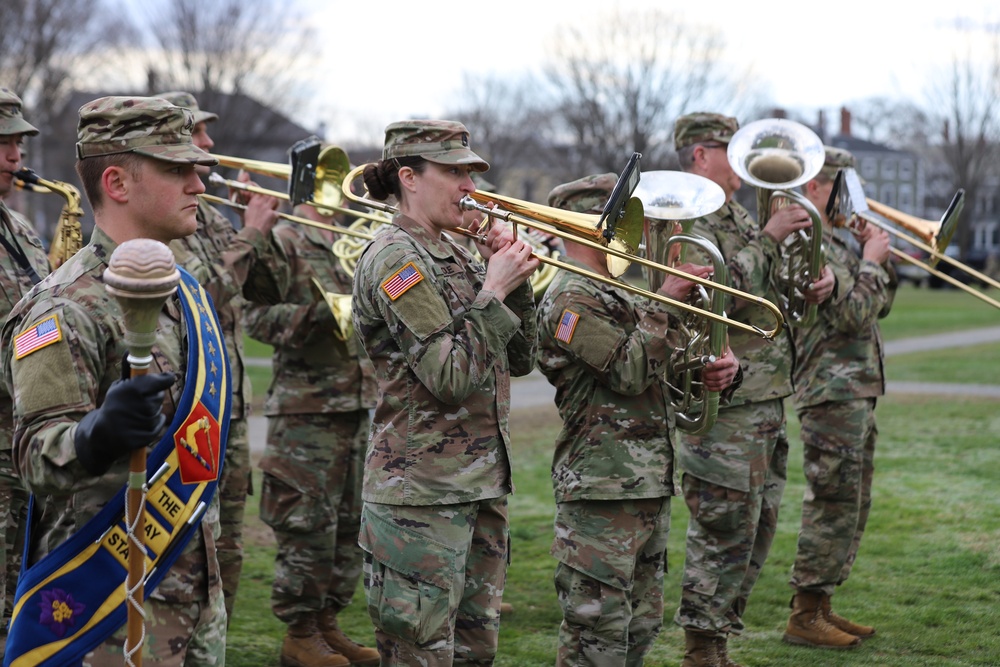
x=928, y=575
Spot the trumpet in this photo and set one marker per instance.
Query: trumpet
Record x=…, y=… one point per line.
x=848, y=204
x=68, y=237
x=775, y=155
x=690, y=196
x=585, y=229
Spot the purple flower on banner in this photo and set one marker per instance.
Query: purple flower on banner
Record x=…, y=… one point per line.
x=59, y=611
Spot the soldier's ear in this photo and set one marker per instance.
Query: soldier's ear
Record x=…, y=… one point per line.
x=116, y=182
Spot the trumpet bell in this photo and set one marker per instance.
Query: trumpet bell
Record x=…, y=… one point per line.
x=935, y=233
x=678, y=195
x=775, y=154
x=340, y=306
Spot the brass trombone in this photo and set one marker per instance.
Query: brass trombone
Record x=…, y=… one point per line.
x=690, y=197
x=848, y=203
x=584, y=229
x=775, y=155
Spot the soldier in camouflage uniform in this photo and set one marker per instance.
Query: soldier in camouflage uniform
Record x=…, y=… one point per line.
x=606, y=352
x=838, y=376
x=22, y=264
x=734, y=475
x=317, y=430
x=445, y=334
x=204, y=255
x=76, y=421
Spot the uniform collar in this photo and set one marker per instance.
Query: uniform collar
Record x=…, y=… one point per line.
x=102, y=244
x=438, y=247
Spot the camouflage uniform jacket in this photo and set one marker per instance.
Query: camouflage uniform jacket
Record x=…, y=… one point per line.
x=314, y=372
x=15, y=283
x=754, y=260
x=58, y=384
x=444, y=351
x=230, y=266
x=840, y=357
x=608, y=370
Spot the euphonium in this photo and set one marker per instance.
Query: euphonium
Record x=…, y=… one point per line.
x=68, y=237
x=682, y=197
x=775, y=155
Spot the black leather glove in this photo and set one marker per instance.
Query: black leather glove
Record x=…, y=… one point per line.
x=130, y=418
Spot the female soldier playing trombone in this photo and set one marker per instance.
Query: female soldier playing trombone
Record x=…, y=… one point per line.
x=445, y=334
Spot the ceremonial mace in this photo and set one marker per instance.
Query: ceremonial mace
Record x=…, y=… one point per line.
x=141, y=275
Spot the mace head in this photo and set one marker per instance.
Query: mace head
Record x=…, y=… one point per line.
x=141, y=275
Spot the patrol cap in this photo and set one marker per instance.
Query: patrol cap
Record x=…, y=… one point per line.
x=180, y=98
x=11, y=120
x=701, y=127
x=147, y=126
x=584, y=195
x=835, y=160
x=440, y=141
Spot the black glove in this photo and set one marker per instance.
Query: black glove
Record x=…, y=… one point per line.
x=130, y=418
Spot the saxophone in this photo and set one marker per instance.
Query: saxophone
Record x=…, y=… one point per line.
x=68, y=237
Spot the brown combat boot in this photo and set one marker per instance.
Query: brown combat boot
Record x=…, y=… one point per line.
x=701, y=650
x=850, y=627
x=355, y=653
x=304, y=646
x=807, y=626
x=506, y=608
x=723, y=650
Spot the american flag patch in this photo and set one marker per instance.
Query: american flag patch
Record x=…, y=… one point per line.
x=38, y=336
x=402, y=280
x=567, y=325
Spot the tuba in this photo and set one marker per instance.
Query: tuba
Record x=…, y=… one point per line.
x=682, y=197
x=68, y=237
x=775, y=155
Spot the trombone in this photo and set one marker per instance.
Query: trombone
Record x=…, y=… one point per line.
x=848, y=203
x=585, y=229
x=775, y=155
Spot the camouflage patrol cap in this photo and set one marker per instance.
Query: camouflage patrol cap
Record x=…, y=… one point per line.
x=835, y=160
x=11, y=120
x=584, y=195
x=148, y=126
x=440, y=141
x=180, y=98
x=701, y=127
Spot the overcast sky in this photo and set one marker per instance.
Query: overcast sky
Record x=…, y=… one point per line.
x=812, y=55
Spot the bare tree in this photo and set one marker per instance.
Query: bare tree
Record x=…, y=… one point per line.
x=43, y=41
x=965, y=100
x=511, y=126
x=621, y=81
x=900, y=124
x=46, y=49
x=246, y=60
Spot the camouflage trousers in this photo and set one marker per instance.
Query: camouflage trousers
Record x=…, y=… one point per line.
x=733, y=480
x=13, y=512
x=434, y=578
x=234, y=486
x=839, y=463
x=179, y=634
x=311, y=498
x=609, y=580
